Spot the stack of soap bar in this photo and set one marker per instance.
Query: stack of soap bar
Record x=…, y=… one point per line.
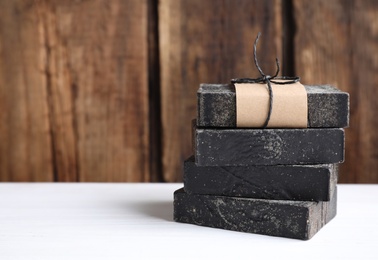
x=278, y=182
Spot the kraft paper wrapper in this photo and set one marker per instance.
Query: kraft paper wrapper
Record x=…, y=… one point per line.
x=289, y=109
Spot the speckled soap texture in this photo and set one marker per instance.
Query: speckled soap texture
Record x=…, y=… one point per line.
x=328, y=107
x=283, y=218
x=233, y=147
x=281, y=182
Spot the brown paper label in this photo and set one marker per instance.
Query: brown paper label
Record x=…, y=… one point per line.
x=289, y=109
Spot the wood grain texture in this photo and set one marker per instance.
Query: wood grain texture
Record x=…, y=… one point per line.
x=207, y=42
x=83, y=111
x=336, y=43
x=105, y=90
x=25, y=140
x=154, y=92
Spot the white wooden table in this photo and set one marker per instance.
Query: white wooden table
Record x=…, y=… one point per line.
x=134, y=221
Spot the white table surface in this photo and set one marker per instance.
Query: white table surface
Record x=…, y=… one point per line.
x=134, y=221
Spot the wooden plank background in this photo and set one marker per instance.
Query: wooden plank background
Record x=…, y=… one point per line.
x=345, y=54
x=103, y=90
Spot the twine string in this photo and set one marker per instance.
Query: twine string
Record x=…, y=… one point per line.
x=266, y=79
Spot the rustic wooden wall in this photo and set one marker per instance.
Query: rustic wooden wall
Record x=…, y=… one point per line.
x=74, y=91
x=336, y=42
x=206, y=41
x=103, y=90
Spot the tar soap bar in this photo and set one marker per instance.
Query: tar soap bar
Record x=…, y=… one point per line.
x=283, y=218
x=235, y=147
x=281, y=182
x=328, y=107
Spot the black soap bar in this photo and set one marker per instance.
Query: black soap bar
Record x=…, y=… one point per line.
x=281, y=182
x=232, y=147
x=328, y=107
x=283, y=218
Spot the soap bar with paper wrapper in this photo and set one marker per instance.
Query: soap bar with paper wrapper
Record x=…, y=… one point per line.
x=328, y=107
